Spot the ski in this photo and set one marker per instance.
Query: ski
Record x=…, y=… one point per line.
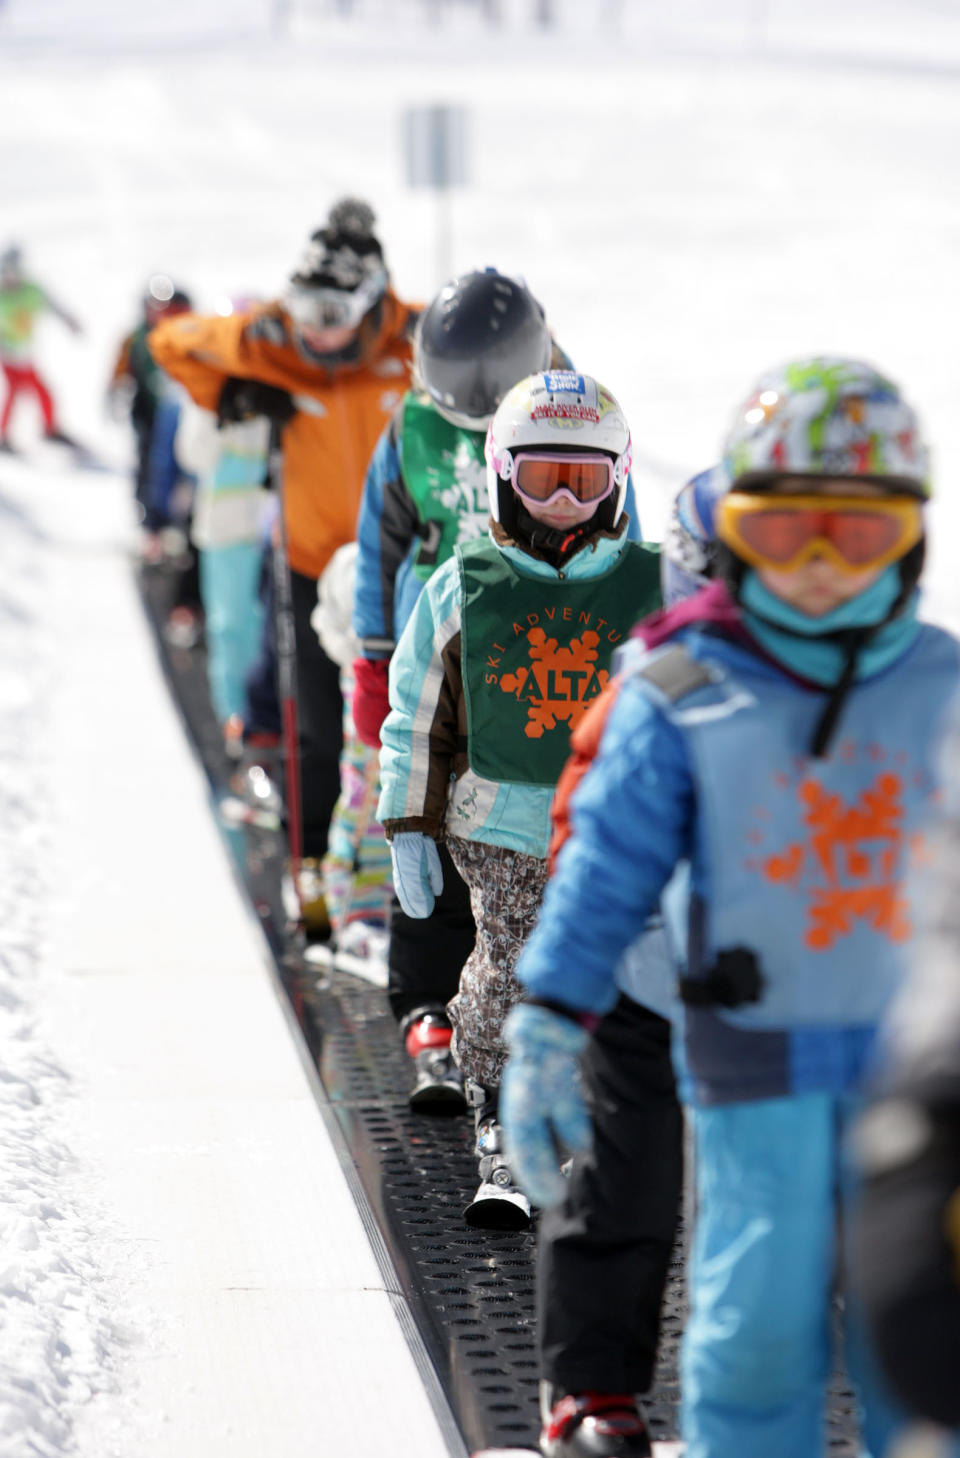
x=234, y=811
x=660, y=1450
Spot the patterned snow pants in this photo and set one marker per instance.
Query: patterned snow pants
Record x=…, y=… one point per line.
x=506, y=889
x=357, y=873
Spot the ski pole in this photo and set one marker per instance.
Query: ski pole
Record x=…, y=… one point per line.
x=286, y=656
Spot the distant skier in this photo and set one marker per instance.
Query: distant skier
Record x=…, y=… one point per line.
x=135, y=388
x=22, y=302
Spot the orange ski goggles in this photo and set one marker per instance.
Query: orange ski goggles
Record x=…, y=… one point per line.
x=855, y=533
x=538, y=478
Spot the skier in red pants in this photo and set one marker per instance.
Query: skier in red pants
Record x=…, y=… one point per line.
x=21, y=302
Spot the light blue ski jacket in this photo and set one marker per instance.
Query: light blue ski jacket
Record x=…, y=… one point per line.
x=427, y=781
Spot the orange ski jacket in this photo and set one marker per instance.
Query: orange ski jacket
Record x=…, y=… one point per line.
x=340, y=412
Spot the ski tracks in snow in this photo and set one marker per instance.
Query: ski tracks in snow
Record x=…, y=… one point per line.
x=61, y=1345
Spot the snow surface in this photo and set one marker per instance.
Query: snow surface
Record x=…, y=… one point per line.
x=696, y=191
x=184, y=1270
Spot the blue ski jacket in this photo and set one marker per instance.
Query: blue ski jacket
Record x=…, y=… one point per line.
x=802, y=863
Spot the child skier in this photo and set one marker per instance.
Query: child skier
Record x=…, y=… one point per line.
x=508, y=644
x=356, y=868
x=782, y=741
x=136, y=386
x=22, y=301
x=907, y=1144
x=426, y=491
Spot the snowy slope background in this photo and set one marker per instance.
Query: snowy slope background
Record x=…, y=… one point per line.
x=696, y=190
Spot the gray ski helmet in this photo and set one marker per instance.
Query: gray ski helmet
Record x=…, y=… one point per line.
x=481, y=334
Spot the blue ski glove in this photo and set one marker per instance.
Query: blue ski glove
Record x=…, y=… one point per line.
x=540, y=1099
x=417, y=873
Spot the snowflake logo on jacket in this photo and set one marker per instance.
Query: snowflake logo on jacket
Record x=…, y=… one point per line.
x=560, y=683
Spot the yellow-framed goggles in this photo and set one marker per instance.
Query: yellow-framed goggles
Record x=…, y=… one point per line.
x=855, y=533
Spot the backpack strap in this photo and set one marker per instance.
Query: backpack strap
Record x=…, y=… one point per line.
x=674, y=673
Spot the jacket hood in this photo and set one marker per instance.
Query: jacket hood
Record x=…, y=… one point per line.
x=711, y=605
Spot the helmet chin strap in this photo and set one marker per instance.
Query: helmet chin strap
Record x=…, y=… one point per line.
x=554, y=543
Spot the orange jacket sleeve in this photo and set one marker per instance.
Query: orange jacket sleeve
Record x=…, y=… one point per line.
x=201, y=353
x=584, y=742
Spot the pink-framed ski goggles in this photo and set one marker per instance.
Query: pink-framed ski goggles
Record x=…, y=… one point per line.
x=584, y=480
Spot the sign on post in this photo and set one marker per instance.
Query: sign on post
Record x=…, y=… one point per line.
x=436, y=153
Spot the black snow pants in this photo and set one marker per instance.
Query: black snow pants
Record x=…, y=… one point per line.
x=604, y=1254
x=426, y=956
x=320, y=708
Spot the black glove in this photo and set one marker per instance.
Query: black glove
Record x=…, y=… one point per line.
x=243, y=399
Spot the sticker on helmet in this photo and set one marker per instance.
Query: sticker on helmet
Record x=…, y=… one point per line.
x=579, y=405
x=565, y=381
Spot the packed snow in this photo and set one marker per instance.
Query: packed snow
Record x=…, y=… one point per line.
x=696, y=191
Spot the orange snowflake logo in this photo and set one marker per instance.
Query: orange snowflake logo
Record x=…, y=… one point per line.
x=854, y=861
x=560, y=683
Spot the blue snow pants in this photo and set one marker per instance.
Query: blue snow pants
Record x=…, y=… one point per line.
x=233, y=615
x=771, y=1193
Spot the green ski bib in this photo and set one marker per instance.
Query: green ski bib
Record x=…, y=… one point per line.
x=536, y=652
x=446, y=475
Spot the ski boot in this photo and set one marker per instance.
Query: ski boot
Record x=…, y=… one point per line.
x=592, y=1425
x=255, y=797
x=232, y=731
x=303, y=899
x=183, y=628
x=60, y=437
x=426, y=1036
x=499, y=1203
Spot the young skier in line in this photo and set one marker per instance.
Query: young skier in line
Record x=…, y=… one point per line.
x=906, y=1266
x=508, y=644
x=781, y=741
x=425, y=492
x=230, y=511
x=329, y=361
x=135, y=389
x=604, y=1251
x=356, y=868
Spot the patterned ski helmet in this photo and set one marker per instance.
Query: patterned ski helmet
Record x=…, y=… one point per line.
x=556, y=410
x=688, y=556
x=827, y=416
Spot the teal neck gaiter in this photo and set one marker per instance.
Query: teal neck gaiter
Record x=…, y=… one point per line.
x=816, y=648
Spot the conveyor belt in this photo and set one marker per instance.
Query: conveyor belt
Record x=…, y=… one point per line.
x=470, y=1293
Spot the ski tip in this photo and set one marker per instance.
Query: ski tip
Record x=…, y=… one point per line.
x=504, y=1452
x=234, y=811
x=660, y=1450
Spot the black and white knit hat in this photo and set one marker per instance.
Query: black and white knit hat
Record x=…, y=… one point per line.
x=345, y=255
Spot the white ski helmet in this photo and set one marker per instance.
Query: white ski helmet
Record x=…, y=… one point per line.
x=556, y=411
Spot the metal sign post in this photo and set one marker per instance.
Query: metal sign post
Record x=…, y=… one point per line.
x=436, y=151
